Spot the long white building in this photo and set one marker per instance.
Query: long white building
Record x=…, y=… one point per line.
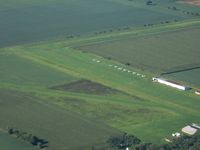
x=197, y=92
x=171, y=83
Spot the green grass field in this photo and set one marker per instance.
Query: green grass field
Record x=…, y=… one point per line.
x=14, y=69
x=76, y=93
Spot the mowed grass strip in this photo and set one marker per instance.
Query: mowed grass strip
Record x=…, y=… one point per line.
x=81, y=65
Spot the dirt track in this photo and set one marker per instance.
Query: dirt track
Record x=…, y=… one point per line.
x=192, y=2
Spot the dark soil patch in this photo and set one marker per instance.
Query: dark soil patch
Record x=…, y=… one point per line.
x=86, y=86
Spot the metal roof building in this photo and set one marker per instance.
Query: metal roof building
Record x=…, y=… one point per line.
x=171, y=83
x=189, y=130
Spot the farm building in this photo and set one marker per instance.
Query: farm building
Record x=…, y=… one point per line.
x=197, y=92
x=171, y=83
x=189, y=130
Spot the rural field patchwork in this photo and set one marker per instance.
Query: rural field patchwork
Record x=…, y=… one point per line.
x=34, y=21
x=94, y=81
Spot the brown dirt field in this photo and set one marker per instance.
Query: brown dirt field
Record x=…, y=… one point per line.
x=86, y=86
x=192, y=2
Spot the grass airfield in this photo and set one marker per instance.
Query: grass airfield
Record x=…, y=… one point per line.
x=77, y=99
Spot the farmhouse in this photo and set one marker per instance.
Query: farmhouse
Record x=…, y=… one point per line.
x=171, y=83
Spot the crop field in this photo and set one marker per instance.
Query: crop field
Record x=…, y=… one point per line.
x=61, y=128
x=190, y=77
x=9, y=143
x=156, y=52
x=33, y=21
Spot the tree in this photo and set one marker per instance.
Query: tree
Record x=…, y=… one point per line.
x=149, y=2
x=123, y=141
x=11, y=130
x=34, y=140
x=174, y=8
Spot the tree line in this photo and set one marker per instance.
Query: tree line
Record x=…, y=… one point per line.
x=125, y=140
x=32, y=139
x=184, y=11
